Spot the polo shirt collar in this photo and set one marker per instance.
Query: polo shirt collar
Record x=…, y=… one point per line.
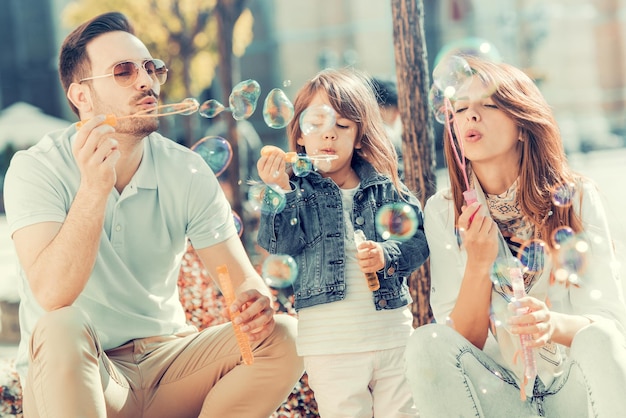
x=146, y=177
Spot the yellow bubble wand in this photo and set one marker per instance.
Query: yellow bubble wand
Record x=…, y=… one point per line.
x=229, y=294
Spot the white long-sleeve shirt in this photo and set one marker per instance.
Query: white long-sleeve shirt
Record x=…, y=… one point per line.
x=599, y=296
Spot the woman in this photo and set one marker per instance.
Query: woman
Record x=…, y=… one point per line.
x=469, y=363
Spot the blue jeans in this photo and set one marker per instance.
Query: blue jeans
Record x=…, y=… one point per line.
x=450, y=377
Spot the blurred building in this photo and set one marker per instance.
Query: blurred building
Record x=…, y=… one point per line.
x=575, y=49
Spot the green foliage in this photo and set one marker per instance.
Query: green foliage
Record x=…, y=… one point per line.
x=183, y=33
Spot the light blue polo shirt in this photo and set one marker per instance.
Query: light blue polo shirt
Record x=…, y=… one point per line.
x=132, y=292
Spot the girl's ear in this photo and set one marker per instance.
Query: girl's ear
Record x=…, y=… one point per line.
x=358, y=144
x=80, y=96
x=300, y=141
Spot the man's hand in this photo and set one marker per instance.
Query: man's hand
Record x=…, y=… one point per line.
x=96, y=155
x=256, y=314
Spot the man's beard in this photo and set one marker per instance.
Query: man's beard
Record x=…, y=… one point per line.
x=138, y=126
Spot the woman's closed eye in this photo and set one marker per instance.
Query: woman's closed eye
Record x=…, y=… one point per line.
x=462, y=109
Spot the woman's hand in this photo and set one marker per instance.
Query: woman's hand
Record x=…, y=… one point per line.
x=531, y=316
x=479, y=236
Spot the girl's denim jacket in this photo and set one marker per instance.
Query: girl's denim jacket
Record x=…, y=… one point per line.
x=311, y=229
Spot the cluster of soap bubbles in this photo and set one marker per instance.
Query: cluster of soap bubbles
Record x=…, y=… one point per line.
x=395, y=221
x=242, y=102
x=568, y=251
x=216, y=151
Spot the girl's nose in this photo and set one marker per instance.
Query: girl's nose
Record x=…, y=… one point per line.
x=472, y=115
x=330, y=134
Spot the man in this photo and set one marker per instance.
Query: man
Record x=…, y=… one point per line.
x=100, y=218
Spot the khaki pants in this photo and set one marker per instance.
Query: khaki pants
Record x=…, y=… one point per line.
x=195, y=375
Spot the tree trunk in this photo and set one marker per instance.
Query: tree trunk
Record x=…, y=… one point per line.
x=227, y=13
x=418, y=137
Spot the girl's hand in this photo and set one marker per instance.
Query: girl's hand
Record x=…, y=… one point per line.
x=536, y=322
x=479, y=236
x=370, y=256
x=271, y=167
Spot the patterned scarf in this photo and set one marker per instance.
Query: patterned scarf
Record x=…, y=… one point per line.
x=516, y=229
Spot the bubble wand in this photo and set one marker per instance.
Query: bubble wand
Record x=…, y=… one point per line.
x=449, y=76
x=292, y=156
x=528, y=355
x=469, y=194
x=186, y=107
x=226, y=286
x=372, y=278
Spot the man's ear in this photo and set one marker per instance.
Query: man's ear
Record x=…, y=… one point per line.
x=80, y=96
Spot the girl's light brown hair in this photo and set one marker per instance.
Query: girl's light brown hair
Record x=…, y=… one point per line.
x=351, y=95
x=543, y=164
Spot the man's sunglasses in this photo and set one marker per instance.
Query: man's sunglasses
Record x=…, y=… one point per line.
x=125, y=73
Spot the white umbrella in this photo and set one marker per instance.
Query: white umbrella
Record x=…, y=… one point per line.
x=23, y=125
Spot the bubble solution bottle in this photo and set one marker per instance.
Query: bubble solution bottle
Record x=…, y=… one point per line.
x=372, y=278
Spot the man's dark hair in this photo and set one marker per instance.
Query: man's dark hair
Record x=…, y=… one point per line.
x=74, y=63
x=386, y=91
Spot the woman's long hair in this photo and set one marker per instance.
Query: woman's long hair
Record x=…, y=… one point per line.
x=543, y=164
x=351, y=95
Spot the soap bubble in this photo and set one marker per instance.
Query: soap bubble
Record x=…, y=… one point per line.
x=243, y=99
x=216, y=151
x=302, y=166
x=532, y=255
x=211, y=108
x=396, y=221
x=451, y=74
x=437, y=102
x=273, y=198
x=277, y=109
x=317, y=119
x=238, y=223
x=279, y=270
x=563, y=195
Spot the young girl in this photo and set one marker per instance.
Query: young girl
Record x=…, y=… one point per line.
x=352, y=338
x=574, y=323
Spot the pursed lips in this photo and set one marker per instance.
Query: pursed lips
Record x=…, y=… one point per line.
x=147, y=102
x=472, y=135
